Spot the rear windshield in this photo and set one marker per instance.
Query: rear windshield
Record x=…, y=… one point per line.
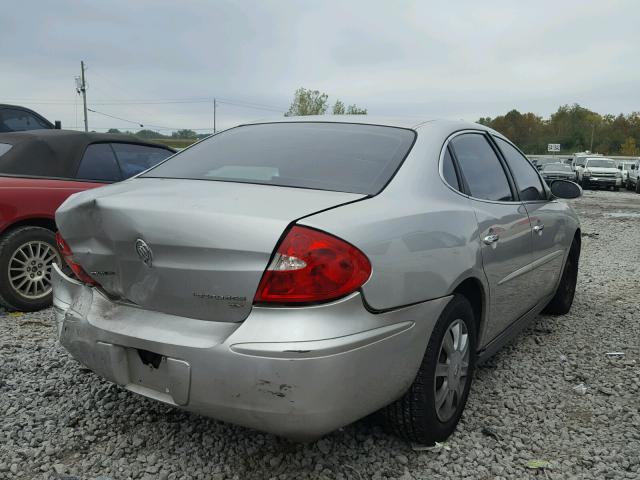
x=342, y=157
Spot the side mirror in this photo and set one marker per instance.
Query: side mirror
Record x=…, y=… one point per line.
x=57, y=124
x=566, y=189
x=633, y=167
x=619, y=167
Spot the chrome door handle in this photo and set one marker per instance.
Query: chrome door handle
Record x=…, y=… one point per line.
x=490, y=239
x=538, y=228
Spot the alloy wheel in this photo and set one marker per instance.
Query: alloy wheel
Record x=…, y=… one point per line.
x=30, y=269
x=452, y=370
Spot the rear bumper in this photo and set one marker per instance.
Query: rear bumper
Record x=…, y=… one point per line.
x=296, y=372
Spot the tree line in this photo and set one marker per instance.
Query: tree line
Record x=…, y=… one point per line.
x=575, y=128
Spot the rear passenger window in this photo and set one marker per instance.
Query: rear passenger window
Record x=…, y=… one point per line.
x=481, y=168
x=529, y=184
x=99, y=164
x=449, y=171
x=134, y=159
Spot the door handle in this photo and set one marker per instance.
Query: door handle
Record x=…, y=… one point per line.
x=538, y=228
x=491, y=239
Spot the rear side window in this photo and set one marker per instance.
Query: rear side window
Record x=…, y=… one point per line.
x=449, y=171
x=529, y=184
x=481, y=168
x=15, y=120
x=4, y=148
x=325, y=156
x=134, y=159
x=99, y=164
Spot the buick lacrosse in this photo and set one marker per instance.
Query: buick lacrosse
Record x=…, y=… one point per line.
x=298, y=275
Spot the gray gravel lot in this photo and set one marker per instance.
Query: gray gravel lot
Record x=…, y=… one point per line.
x=59, y=420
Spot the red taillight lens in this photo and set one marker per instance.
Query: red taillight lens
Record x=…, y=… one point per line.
x=67, y=254
x=312, y=266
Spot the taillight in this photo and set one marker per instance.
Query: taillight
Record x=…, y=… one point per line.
x=312, y=266
x=67, y=254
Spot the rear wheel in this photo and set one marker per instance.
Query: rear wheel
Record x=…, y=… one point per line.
x=638, y=185
x=584, y=184
x=430, y=410
x=27, y=255
x=561, y=302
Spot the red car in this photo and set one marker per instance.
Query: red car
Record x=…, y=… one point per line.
x=38, y=171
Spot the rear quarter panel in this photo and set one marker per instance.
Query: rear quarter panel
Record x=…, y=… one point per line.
x=22, y=199
x=420, y=236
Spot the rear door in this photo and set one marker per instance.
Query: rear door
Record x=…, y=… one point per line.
x=547, y=220
x=503, y=224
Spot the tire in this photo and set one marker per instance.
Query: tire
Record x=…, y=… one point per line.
x=19, y=249
x=561, y=302
x=415, y=417
x=638, y=185
x=616, y=189
x=584, y=184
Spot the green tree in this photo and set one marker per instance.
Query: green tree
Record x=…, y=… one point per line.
x=113, y=130
x=574, y=127
x=145, y=133
x=338, y=108
x=307, y=102
x=355, y=110
x=629, y=147
x=185, y=133
x=313, y=102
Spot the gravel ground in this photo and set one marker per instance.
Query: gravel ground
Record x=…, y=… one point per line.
x=59, y=420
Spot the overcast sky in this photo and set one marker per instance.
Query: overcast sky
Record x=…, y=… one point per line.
x=462, y=60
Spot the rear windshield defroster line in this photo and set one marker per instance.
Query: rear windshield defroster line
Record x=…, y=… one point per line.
x=343, y=157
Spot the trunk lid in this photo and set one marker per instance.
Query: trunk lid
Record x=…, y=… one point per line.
x=206, y=243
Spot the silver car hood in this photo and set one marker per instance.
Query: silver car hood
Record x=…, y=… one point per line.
x=209, y=241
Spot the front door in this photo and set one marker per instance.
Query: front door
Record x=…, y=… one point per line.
x=504, y=231
x=546, y=216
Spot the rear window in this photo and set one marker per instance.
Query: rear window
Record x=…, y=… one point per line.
x=342, y=157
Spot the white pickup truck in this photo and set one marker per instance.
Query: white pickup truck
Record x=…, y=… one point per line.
x=598, y=172
x=632, y=177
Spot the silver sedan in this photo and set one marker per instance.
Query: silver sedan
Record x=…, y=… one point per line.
x=298, y=275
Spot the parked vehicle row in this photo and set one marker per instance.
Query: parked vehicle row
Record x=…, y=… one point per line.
x=590, y=170
x=295, y=276
x=38, y=170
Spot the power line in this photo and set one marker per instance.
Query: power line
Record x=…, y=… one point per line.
x=157, y=127
x=113, y=116
x=238, y=103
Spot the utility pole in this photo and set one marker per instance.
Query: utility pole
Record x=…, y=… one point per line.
x=214, y=115
x=83, y=89
x=593, y=127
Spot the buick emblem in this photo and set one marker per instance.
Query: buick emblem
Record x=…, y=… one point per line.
x=144, y=252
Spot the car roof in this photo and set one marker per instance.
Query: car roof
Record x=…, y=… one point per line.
x=392, y=121
x=54, y=153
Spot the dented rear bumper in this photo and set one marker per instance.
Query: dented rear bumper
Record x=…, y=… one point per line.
x=296, y=372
